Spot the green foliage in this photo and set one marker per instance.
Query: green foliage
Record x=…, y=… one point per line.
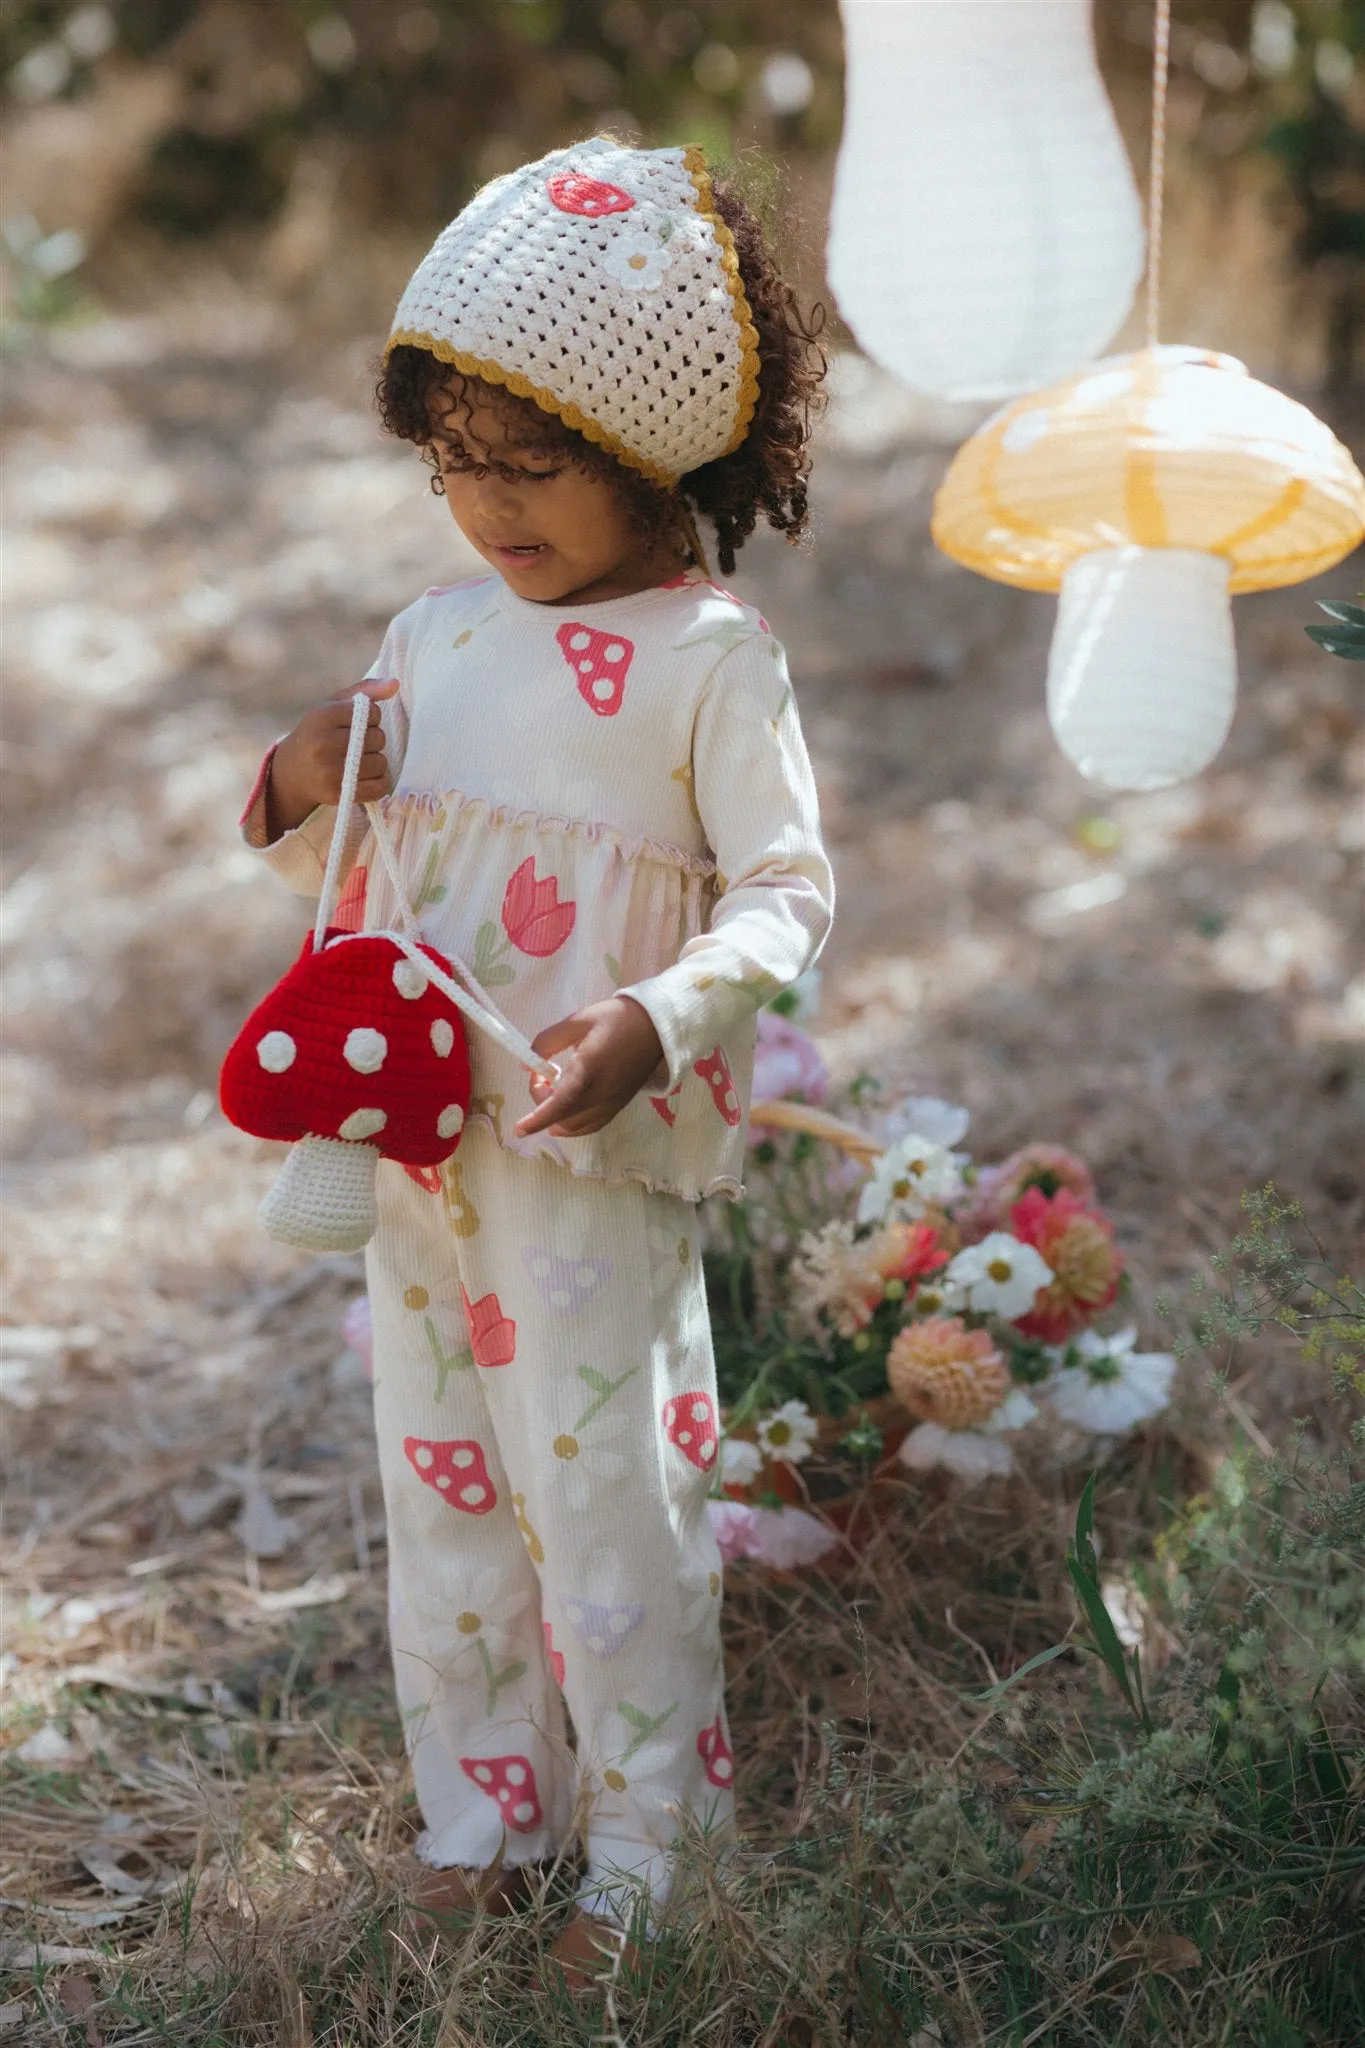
x=1346, y=636
x=1277, y=1274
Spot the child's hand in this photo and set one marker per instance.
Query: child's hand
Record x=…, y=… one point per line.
x=613, y=1050
x=305, y=769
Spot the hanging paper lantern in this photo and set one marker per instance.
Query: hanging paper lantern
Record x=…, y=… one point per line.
x=1147, y=489
x=985, y=233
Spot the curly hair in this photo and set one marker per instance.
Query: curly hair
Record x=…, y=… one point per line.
x=764, y=477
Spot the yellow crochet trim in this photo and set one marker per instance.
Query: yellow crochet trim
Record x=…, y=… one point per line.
x=521, y=386
x=695, y=163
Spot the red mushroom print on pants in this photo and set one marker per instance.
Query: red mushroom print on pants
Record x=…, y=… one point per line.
x=591, y=198
x=554, y=1657
x=600, y=662
x=456, y=1469
x=492, y=1335
x=512, y=1783
x=716, y=1754
x=690, y=1426
x=355, y=1056
x=715, y=1071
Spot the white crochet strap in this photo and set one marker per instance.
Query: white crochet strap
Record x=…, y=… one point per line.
x=472, y=1000
x=350, y=776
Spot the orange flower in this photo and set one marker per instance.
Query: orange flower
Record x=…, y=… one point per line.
x=945, y=1373
x=1086, y=1263
x=1047, y=1167
x=907, y=1251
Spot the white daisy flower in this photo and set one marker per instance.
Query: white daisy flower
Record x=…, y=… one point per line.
x=967, y=1452
x=943, y=1123
x=936, y=1295
x=910, y=1175
x=788, y=1434
x=999, y=1276
x=740, y=1461
x=1016, y=1411
x=1102, y=1384
x=637, y=260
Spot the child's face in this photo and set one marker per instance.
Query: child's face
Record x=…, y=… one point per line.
x=549, y=528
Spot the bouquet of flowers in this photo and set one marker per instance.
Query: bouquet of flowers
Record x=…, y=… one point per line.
x=879, y=1300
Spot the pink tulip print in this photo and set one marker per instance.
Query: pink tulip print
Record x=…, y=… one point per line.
x=533, y=917
x=492, y=1335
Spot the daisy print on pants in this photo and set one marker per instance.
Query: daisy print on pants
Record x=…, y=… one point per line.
x=592, y=1453
x=670, y=1256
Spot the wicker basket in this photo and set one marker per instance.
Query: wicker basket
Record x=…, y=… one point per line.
x=817, y=1123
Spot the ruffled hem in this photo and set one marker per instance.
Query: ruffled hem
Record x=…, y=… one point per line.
x=614, y=1176
x=631, y=846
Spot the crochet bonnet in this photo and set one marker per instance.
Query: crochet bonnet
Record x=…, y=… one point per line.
x=601, y=283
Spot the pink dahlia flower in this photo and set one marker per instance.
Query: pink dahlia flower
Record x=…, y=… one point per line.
x=1086, y=1263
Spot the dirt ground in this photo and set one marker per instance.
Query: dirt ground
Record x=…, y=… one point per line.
x=206, y=533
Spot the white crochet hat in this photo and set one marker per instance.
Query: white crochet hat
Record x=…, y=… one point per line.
x=601, y=283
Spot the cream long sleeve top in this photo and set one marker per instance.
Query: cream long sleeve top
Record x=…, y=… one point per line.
x=591, y=799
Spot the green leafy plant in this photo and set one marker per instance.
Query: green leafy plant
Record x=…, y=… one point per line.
x=1346, y=635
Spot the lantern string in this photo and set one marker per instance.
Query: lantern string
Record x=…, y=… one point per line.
x=1156, y=168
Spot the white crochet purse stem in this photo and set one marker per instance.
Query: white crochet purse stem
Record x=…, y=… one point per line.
x=472, y=999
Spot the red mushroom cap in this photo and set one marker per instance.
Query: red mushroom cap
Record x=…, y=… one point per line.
x=354, y=1043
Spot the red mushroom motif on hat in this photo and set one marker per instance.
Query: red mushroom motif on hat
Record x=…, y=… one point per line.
x=573, y=192
x=355, y=1056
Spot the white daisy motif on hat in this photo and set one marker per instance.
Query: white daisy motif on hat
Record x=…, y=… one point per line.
x=550, y=283
x=639, y=262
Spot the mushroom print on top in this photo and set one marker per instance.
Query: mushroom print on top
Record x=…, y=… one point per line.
x=597, y=799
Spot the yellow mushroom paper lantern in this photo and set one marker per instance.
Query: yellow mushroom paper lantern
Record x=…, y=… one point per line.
x=1148, y=489
x=985, y=231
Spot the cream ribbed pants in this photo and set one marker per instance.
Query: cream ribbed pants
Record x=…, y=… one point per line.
x=545, y=1405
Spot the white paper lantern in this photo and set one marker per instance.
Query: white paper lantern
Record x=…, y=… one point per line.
x=1143, y=672
x=1145, y=489
x=985, y=234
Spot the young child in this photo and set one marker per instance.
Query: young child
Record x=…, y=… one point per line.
x=592, y=771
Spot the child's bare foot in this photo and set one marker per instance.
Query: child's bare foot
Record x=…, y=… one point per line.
x=441, y=1895
x=585, y=1951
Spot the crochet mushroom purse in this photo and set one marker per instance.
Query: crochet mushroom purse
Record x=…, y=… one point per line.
x=358, y=1054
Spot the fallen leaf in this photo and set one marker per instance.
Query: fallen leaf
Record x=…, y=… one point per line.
x=315, y=1592
x=1173, y=1952
x=1036, y=1841
x=103, y=1863
x=77, y=1996
x=10, y=2016
x=1160, y=1950
x=18, y=1953
x=48, y=1745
